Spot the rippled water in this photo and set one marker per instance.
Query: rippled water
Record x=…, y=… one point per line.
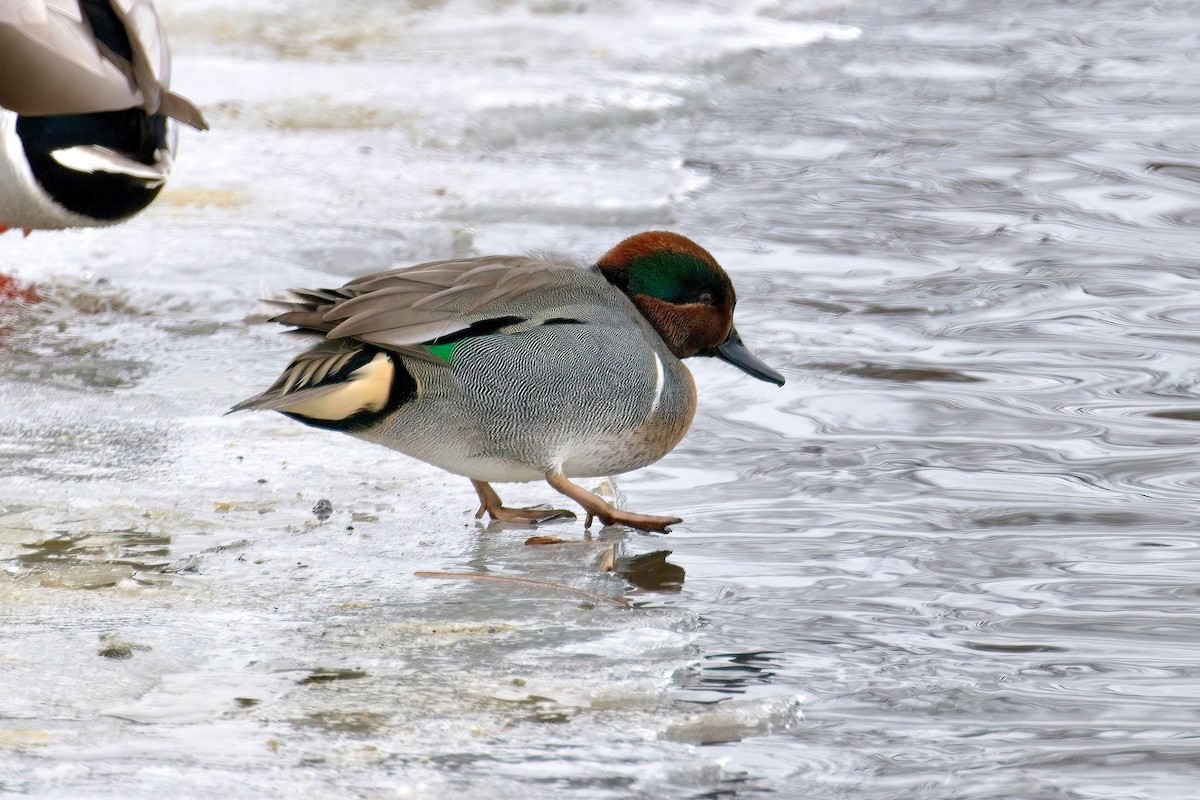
x=954, y=557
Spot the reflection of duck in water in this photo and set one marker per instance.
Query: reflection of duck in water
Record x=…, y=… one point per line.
x=651, y=572
x=84, y=135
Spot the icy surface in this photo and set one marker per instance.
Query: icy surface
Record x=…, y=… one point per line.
x=953, y=557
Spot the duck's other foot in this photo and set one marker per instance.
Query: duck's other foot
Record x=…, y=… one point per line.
x=524, y=516
x=490, y=504
x=608, y=514
x=643, y=522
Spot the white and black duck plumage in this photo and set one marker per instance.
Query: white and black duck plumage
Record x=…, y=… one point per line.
x=85, y=104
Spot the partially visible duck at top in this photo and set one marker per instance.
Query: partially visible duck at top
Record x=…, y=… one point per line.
x=85, y=104
x=519, y=368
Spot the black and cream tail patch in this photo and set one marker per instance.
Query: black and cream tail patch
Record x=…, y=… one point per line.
x=336, y=387
x=366, y=388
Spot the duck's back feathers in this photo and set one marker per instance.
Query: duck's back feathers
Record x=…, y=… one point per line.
x=409, y=309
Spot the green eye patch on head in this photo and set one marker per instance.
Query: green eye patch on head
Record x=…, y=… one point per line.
x=676, y=278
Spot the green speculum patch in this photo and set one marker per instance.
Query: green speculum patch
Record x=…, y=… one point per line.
x=445, y=352
x=443, y=346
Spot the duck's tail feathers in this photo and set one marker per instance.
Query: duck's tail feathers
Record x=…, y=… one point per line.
x=334, y=380
x=306, y=312
x=288, y=403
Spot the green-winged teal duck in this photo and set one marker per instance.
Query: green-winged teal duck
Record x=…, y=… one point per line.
x=519, y=368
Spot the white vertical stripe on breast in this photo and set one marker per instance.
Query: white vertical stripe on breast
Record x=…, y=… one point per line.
x=659, y=381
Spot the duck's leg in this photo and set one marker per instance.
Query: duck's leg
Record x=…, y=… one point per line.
x=490, y=503
x=605, y=512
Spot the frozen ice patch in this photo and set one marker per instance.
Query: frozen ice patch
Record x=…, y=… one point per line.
x=635, y=642
x=738, y=720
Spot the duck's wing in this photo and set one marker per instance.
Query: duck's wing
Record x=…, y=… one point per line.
x=406, y=310
x=87, y=56
x=151, y=62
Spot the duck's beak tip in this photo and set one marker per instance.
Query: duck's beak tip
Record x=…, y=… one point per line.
x=734, y=351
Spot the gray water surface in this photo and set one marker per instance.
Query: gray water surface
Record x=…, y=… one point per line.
x=955, y=557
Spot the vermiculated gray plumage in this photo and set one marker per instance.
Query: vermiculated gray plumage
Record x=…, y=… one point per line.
x=557, y=388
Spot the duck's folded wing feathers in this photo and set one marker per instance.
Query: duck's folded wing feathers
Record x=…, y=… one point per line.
x=406, y=308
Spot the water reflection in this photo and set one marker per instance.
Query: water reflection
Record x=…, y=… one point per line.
x=720, y=675
x=651, y=572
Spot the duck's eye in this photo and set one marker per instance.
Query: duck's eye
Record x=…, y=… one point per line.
x=706, y=297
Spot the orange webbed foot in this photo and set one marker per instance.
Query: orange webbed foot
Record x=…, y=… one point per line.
x=597, y=508
x=490, y=504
